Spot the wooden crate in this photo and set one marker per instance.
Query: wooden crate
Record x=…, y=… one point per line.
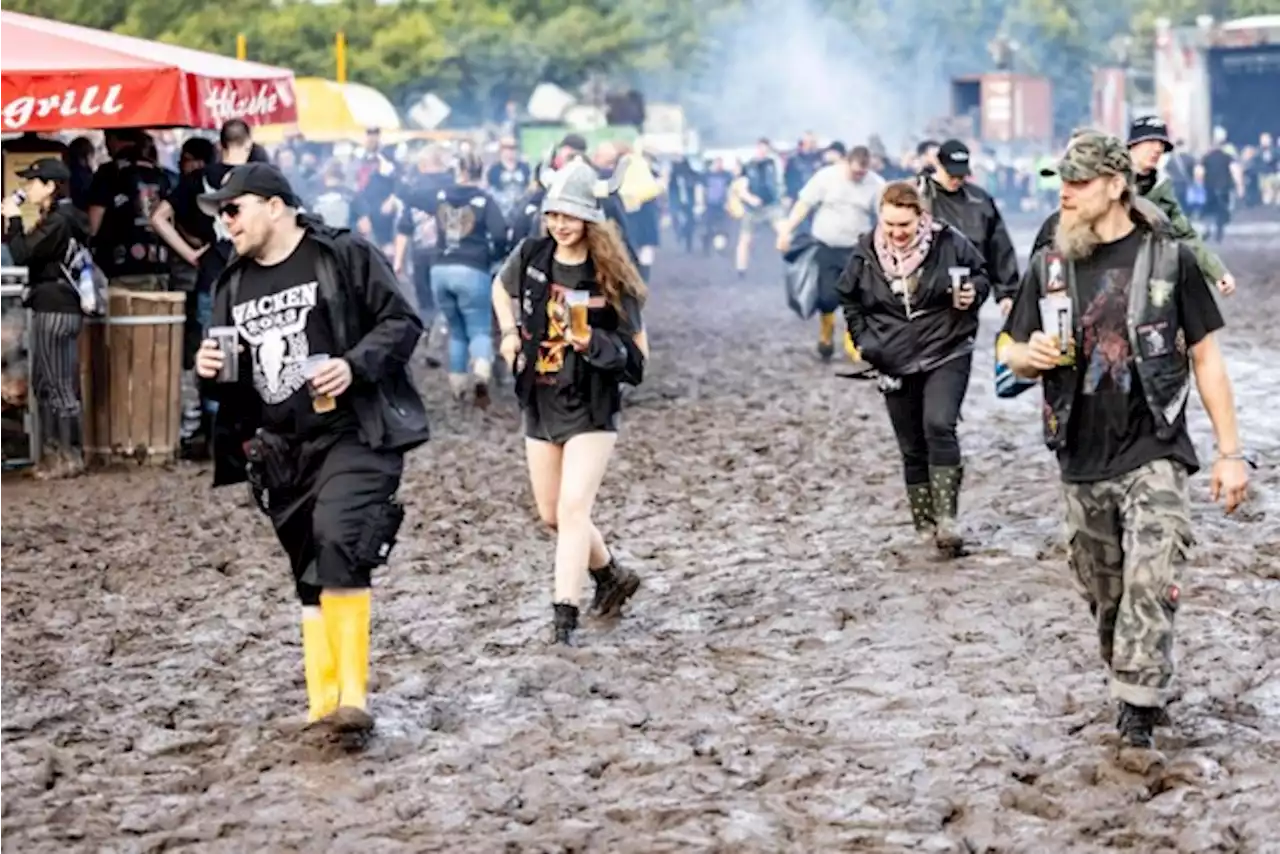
x=130, y=376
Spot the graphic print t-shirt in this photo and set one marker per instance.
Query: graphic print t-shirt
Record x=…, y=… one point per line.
x=1111, y=430
x=281, y=323
x=559, y=405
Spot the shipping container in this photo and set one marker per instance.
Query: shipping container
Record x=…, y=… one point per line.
x=1219, y=75
x=1005, y=107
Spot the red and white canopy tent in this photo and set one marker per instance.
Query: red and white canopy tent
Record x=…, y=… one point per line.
x=60, y=76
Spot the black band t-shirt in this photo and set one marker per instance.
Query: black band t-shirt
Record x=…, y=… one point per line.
x=1111, y=431
x=560, y=409
x=281, y=322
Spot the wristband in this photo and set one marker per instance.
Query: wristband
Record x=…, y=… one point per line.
x=510, y=330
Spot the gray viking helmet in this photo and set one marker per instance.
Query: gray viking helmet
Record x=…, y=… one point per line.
x=575, y=189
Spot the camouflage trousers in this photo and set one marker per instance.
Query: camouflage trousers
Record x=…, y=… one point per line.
x=1128, y=539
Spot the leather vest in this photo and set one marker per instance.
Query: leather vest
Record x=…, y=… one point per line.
x=1157, y=342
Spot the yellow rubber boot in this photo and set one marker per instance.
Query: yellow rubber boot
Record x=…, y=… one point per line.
x=346, y=620
x=826, y=329
x=850, y=349
x=319, y=665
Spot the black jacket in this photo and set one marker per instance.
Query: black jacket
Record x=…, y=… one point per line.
x=972, y=210
x=376, y=330
x=889, y=340
x=54, y=241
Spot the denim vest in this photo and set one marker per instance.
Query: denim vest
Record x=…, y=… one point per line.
x=1157, y=342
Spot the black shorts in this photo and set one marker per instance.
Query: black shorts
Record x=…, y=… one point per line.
x=341, y=508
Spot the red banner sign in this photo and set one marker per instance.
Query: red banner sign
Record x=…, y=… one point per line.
x=140, y=99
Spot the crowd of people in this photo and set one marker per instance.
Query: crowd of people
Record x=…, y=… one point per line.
x=309, y=294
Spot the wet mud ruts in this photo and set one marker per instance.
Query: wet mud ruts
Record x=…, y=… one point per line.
x=794, y=676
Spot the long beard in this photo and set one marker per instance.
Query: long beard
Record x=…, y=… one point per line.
x=1075, y=237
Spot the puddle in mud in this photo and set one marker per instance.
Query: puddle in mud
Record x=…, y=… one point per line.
x=793, y=677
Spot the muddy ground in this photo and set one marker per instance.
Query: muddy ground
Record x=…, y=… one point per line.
x=794, y=676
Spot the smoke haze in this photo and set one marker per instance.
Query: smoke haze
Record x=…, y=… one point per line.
x=783, y=67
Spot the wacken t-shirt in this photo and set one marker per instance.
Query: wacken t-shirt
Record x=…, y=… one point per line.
x=281, y=322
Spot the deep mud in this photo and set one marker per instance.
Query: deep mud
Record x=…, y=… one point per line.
x=794, y=676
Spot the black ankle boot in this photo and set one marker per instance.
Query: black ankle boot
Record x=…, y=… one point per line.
x=566, y=623
x=1137, y=725
x=614, y=586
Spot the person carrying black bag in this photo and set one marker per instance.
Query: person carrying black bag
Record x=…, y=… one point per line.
x=48, y=252
x=317, y=411
x=910, y=296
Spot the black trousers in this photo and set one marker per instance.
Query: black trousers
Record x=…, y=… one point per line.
x=924, y=413
x=336, y=515
x=55, y=374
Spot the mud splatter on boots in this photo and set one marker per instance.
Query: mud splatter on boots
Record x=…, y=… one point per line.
x=944, y=482
x=614, y=586
x=70, y=436
x=346, y=622
x=564, y=624
x=920, y=499
x=1137, y=724
x=319, y=666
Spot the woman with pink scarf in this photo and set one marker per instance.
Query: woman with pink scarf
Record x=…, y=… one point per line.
x=910, y=296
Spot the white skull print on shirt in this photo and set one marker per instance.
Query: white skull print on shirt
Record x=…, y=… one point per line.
x=278, y=314
x=275, y=328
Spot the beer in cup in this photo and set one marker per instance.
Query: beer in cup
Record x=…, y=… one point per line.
x=1056, y=320
x=320, y=403
x=577, y=303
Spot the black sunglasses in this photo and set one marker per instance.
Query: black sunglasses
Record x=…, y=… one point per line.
x=231, y=209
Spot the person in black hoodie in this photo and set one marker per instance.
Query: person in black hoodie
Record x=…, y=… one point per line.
x=951, y=197
x=49, y=252
x=318, y=416
x=580, y=336
x=917, y=329
x=471, y=234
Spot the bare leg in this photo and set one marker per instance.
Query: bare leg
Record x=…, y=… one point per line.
x=586, y=458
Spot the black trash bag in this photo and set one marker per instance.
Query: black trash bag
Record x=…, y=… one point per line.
x=803, y=277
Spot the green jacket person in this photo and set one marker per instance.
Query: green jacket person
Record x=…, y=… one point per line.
x=1148, y=142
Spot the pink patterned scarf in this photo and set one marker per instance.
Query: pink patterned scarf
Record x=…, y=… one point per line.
x=903, y=263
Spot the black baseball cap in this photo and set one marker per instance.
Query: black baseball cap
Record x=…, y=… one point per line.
x=46, y=169
x=251, y=179
x=836, y=148
x=954, y=157
x=1149, y=127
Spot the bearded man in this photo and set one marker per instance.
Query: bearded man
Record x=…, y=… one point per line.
x=1138, y=319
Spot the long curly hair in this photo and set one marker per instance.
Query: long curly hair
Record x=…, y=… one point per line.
x=615, y=272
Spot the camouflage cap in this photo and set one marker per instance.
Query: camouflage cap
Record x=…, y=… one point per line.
x=1093, y=154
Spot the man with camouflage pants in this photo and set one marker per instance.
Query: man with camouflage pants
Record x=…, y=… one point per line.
x=1138, y=319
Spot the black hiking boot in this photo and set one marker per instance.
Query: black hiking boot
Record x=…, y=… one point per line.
x=566, y=623
x=1137, y=725
x=826, y=351
x=614, y=586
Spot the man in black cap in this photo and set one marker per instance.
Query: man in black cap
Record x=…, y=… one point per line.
x=319, y=414
x=1148, y=143
x=970, y=209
